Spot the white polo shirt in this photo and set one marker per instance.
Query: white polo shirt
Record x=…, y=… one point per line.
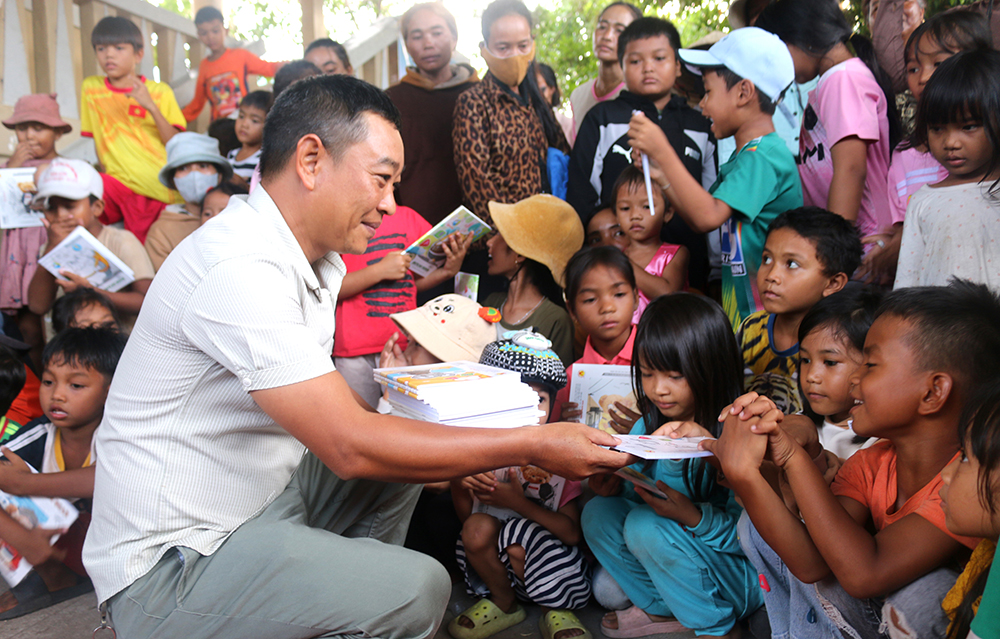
x=186, y=455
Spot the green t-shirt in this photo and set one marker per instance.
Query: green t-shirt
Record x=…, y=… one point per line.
x=987, y=621
x=758, y=182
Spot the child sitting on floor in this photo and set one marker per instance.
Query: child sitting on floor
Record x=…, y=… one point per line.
x=660, y=268
x=82, y=308
x=874, y=544
x=677, y=556
x=809, y=254
x=70, y=192
x=520, y=541
x=194, y=167
x=250, y=133
x=78, y=366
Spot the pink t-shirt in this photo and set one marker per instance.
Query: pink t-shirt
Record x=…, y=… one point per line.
x=847, y=101
x=363, y=322
x=591, y=356
x=663, y=255
x=910, y=170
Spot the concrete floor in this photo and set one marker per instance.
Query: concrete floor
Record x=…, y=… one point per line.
x=78, y=617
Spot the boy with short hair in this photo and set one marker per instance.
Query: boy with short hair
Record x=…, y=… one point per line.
x=222, y=74
x=250, y=132
x=745, y=74
x=647, y=52
x=828, y=574
x=809, y=254
x=70, y=192
x=131, y=118
x=78, y=366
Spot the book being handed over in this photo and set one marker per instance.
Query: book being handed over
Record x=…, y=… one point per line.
x=82, y=254
x=428, y=256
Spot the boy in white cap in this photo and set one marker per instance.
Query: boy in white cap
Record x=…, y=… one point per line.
x=746, y=74
x=70, y=193
x=194, y=167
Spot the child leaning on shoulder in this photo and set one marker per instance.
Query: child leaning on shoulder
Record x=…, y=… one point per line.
x=926, y=353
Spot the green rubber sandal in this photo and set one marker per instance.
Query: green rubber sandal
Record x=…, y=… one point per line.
x=488, y=620
x=554, y=621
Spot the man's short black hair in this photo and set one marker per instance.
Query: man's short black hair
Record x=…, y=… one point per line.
x=954, y=328
x=116, y=30
x=12, y=378
x=645, y=28
x=329, y=106
x=207, y=14
x=838, y=245
x=92, y=347
x=292, y=72
x=767, y=105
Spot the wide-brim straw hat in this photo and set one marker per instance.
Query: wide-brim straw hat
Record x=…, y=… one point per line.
x=541, y=228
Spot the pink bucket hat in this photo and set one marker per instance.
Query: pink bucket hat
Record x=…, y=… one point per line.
x=38, y=107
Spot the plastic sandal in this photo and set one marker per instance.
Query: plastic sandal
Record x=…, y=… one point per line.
x=633, y=622
x=555, y=621
x=488, y=620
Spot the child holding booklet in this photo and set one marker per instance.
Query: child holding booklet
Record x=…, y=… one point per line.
x=678, y=559
x=70, y=192
x=601, y=297
x=379, y=283
x=533, y=555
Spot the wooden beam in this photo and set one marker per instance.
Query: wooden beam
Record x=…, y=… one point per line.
x=43, y=23
x=165, y=43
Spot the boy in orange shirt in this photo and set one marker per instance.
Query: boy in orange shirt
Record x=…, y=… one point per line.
x=131, y=118
x=222, y=76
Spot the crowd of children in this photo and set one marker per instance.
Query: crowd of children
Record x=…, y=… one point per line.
x=830, y=320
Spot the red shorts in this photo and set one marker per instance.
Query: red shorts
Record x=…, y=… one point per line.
x=122, y=203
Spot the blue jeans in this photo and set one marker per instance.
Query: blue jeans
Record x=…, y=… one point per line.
x=798, y=610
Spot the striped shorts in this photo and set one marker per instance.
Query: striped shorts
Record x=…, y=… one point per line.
x=555, y=575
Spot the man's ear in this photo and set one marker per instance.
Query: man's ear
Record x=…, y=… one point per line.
x=835, y=284
x=309, y=153
x=938, y=389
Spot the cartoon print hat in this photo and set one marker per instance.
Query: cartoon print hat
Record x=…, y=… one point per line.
x=541, y=228
x=451, y=327
x=529, y=354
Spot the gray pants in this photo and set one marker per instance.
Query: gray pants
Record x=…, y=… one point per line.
x=317, y=562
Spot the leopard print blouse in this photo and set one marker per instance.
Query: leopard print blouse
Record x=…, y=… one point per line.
x=500, y=147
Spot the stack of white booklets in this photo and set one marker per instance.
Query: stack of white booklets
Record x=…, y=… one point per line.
x=461, y=394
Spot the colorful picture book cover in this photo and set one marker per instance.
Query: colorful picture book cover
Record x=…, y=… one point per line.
x=596, y=387
x=82, y=254
x=17, y=187
x=428, y=256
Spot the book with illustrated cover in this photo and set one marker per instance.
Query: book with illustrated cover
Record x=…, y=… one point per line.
x=82, y=254
x=31, y=512
x=596, y=387
x=17, y=187
x=629, y=474
x=540, y=486
x=417, y=380
x=428, y=256
x=661, y=446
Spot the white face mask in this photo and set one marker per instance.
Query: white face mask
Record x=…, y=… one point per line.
x=194, y=186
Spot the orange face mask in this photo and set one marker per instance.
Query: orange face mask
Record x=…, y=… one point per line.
x=510, y=70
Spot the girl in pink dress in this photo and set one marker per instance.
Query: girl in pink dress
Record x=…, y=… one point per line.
x=660, y=268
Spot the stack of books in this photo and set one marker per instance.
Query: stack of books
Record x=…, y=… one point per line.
x=461, y=394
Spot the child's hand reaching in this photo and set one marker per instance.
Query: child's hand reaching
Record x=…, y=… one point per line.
x=676, y=506
x=479, y=484
x=682, y=429
x=605, y=484
x=394, y=265
x=623, y=418
x=392, y=355
x=570, y=412
x=505, y=494
x=739, y=450
x=12, y=472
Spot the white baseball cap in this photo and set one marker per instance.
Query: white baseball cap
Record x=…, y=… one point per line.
x=751, y=53
x=71, y=179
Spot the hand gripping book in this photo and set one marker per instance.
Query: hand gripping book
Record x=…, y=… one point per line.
x=81, y=253
x=428, y=256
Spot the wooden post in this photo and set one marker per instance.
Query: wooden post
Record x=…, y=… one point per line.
x=91, y=12
x=313, y=26
x=165, y=43
x=43, y=22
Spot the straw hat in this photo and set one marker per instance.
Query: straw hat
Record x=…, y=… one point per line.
x=541, y=228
